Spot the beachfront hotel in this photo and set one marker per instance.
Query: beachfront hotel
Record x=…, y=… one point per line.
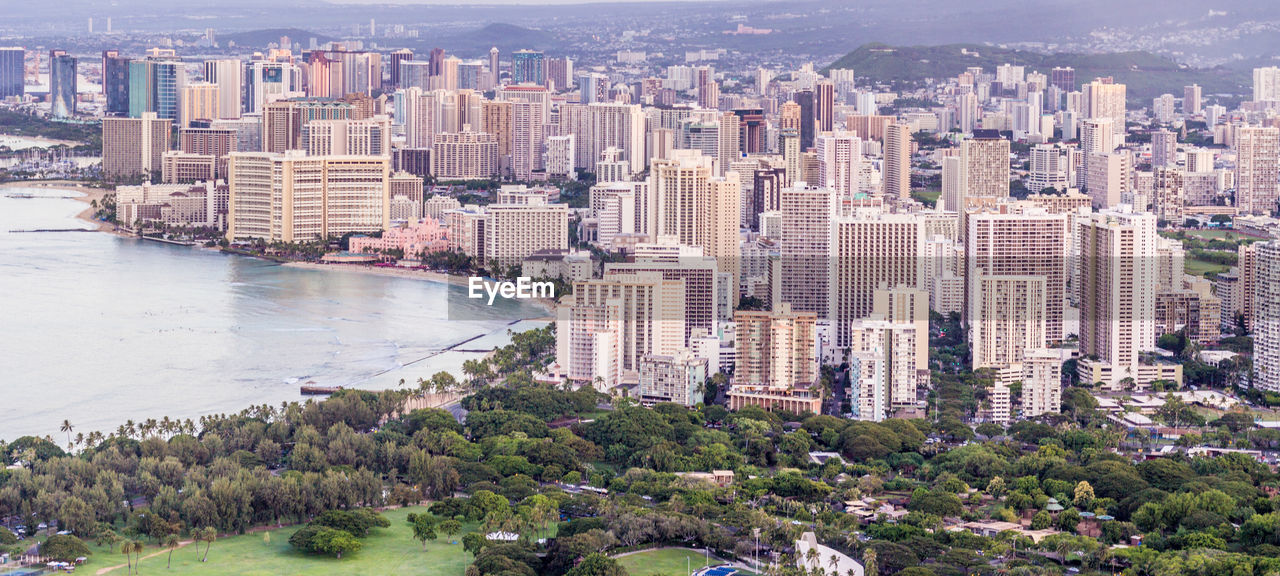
x=293, y=197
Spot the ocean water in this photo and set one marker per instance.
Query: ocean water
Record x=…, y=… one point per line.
x=98, y=329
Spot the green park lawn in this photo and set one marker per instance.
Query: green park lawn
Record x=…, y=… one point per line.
x=1200, y=268
x=390, y=551
x=667, y=562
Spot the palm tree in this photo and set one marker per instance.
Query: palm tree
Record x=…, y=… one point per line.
x=138, y=547
x=68, y=428
x=170, y=542
x=869, y=562
x=209, y=534
x=126, y=548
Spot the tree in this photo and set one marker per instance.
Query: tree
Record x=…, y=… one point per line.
x=68, y=429
x=64, y=547
x=208, y=535
x=869, y=561
x=1083, y=494
x=474, y=542
x=450, y=527
x=424, y=528
x=171, y=542
x=597, y=564
x=1041, y=520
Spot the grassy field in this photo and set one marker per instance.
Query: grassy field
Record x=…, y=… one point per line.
x=668, y=562
x=390, y=551
x=1202, y=267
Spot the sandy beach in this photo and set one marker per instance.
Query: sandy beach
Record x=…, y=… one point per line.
x=89, y=195
x=413, y=274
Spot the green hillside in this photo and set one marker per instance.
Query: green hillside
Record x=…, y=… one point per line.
x=1146, y=75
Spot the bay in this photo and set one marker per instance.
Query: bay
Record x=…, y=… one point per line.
x=98, y=329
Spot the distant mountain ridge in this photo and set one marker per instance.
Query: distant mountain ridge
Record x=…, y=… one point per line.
x=1146, y=75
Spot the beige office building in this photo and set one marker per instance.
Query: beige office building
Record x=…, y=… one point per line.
x=134, y=147
x=514, y=232
x=1119, y=272
x=1257, y=164
x=198, y=101
x=697, y=208
x=293, y=197
x=777, y=361
x=464, y=156
x=897, y=161
x=872, y=250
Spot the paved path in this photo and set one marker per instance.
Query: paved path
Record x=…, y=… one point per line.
x=102, y=571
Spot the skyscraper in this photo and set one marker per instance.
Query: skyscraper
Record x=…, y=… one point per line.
x=1064, y=78
x=840, y=163
x=293, y=197
x=984, y=161
x=804, y=244
x=698, y=208
x=805, y=99
x=228, y=75
x=1191, y=103
x=494, y=66
x=12, y=73
x=133, y=147
x=62, y=84
x=1266, y=318
x=897, y=160
x=871, y=250
x=1118, y=275
x=115, y=83
x=1266, y=84
x=528, y=67
x=1103, y=98
x=1257, y=163
x=824, y=105
x=436, y=61
x=402, y=55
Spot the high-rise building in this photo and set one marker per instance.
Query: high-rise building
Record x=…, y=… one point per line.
x=464, y=156
x=527, y=139
x=1109, y=178
x=494, y=69
x=115, y=82
x=1064, y=78
x=897, y=161
x=284, y=121
x=1103, y=98
x=514, y=232
x=984, y=163
x=824, y=105
x=1164, y=148
x=228, y=75
x=606, y=326
x=133, y=147
x=1118, y=275
x=293, y=197
x=1041, y=377
x=871, y=250
x=777, y=363
x=12, y=72
x=528, y=67
x=198, y=101
x=840, y=163
x=401, y=55
x=1257, y=163
x=698, y=208
x=804, y=247
x=1266, y=84
x=155, y=85
x=1016, y=243
x=1191, y=102
x=675, y=378
x=806, y=101
x=371, y=137
x=1266, y=318
x=62, y=84
x=883, y=360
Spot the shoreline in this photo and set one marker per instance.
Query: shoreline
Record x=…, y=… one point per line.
x=548, y=305
x=87, y=196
